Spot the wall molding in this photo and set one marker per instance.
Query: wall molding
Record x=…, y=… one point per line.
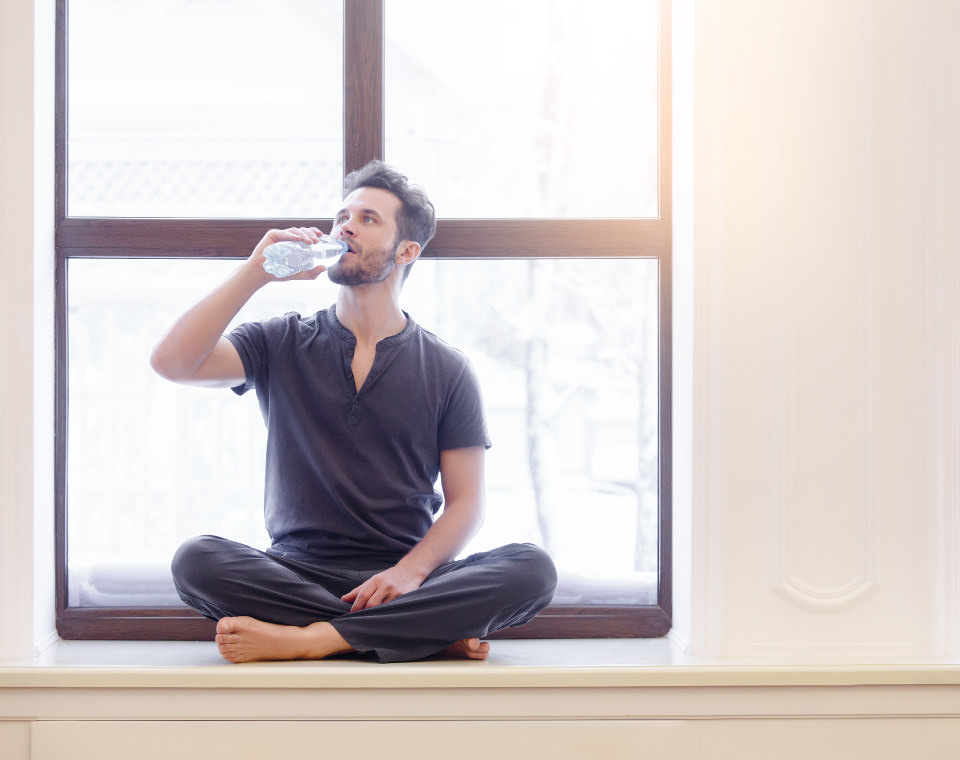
x=833, y=354
x=941, y=159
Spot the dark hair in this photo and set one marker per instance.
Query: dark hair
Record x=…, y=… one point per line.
x=416, y=219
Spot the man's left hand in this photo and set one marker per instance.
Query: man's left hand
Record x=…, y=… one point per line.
x=381, y=588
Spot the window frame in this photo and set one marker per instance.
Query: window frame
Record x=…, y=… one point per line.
x=108, y=237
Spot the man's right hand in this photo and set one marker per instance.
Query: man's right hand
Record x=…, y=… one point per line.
x=308, y=235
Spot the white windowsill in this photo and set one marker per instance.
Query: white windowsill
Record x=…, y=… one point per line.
x=615, y=679
x=513, y=663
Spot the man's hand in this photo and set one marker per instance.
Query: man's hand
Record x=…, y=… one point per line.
x=381, y=588
x=306, y=235
x=462, y=473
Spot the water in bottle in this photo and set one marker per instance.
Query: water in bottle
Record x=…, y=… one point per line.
x=291, y=256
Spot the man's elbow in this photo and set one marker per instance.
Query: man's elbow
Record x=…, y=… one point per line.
x=172, y=364
x=164, y=363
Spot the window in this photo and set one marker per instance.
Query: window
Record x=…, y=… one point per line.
x=544, y=144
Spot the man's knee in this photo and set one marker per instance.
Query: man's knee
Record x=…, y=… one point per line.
x=195, y=560
x=533, y=571
x=543, y=569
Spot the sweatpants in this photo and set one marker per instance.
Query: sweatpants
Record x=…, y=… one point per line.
x=471, y=597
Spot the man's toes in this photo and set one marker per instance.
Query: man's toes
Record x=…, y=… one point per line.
x=231, y=624
x=479, y=652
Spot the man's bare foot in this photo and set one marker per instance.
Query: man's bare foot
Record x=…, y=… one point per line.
x=468, y=649
x=246, y=639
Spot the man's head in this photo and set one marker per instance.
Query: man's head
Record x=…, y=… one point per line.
x=416, y=219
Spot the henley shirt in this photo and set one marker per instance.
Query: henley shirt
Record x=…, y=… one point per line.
x=351, y=475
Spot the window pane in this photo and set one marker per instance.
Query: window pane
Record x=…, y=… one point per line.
x=567, y=356
x=149, y=462
x=541, y=108
x=202, y=108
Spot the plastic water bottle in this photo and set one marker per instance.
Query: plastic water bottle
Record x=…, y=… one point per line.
x=291, y=256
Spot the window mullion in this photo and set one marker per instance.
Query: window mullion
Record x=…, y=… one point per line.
x=363, y=42
x=550, y=238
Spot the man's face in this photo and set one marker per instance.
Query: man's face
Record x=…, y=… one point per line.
x=367, y=223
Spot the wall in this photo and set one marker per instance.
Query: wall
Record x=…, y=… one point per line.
x=823, y=404
x=827, y=177
x=26, y=325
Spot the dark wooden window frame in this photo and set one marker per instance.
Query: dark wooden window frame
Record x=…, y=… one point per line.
x=78, y=237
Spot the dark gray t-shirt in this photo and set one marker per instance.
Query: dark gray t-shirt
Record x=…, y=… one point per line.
x=350, y=476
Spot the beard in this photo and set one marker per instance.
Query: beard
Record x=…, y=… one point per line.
x=364, y=268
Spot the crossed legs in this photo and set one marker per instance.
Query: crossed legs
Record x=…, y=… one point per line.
x=271, y=606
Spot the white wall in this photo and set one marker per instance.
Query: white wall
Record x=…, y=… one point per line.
x=26, y=325
x=823, y=248
x=827, y=181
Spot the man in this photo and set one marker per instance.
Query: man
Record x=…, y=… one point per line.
x=363, y=410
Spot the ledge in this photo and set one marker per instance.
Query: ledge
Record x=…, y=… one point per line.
x=535, y=679
x=513, y=663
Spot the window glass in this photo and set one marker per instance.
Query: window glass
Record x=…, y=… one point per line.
x=541, y=108
x=205, y=108
x=567, y=353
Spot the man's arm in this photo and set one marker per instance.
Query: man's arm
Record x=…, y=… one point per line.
x=462, y=473
x=194, y=351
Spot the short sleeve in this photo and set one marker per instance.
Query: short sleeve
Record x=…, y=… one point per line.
x=463, y=422
x=249, y=340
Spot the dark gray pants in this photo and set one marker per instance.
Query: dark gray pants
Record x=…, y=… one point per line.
x=470, y=597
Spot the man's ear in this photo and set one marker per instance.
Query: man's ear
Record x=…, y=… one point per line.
x=408, y=252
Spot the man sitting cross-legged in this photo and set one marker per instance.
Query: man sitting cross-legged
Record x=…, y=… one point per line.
x=364, y=410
